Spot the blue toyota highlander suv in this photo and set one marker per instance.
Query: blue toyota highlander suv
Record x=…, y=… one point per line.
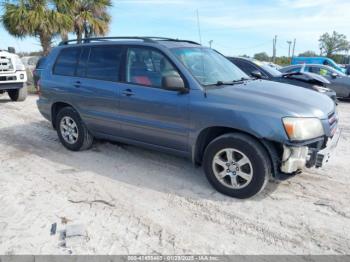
x=179, y=97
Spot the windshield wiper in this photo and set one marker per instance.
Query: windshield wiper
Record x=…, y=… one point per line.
x=237, y=81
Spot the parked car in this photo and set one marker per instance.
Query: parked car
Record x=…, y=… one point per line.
x=13, y=76
x=255, y=68
x=179, y=97
x=340, y=82
x=318, y=60
x=40, y=65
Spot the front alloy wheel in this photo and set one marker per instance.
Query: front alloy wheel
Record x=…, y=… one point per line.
x=232, y=168
x=237, y=165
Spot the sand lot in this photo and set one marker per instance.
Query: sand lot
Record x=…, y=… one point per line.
x=133, y=201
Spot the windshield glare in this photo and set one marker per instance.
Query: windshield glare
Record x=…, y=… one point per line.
x=208, y=66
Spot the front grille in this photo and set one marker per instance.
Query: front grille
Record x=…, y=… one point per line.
x=5, y=64
x=333, y=122
x=7, y=78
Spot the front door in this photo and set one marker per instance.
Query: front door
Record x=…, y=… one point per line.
x=149, y=113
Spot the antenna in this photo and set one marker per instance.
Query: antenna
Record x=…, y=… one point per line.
x=199, y=28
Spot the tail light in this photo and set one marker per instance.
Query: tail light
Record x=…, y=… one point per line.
x=38, y=88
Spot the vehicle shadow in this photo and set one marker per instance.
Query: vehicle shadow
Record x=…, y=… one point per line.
x=128, y=164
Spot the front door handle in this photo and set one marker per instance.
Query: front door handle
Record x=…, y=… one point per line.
x=128, y=92
x=77, y=84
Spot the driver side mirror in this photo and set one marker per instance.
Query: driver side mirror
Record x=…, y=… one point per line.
x=174, y=83
x=257, y=74
x=334, y=75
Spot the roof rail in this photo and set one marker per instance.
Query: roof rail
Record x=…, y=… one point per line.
x=149, y=39
x=156, y=38
x=97, y=39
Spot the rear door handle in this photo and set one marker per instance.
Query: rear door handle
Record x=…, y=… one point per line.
x=77, y=84
x=128, y=92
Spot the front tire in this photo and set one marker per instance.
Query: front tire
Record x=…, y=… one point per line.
x=18, y=95
x=237, y=165
x=72, y=131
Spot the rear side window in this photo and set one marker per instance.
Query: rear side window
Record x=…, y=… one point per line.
x=104, y=63
x=66, y=62
x=41, y=63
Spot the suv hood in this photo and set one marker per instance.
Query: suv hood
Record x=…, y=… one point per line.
x=273, y=98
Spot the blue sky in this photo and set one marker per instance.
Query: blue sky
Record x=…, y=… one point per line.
x=236, y=26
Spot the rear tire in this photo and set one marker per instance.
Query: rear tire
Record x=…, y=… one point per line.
x=72, y=131
x=18, y=95
x=237, y=165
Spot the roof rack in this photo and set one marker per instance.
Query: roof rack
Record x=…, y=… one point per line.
x=149, y=39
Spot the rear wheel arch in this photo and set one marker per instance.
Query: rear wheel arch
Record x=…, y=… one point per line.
x=55, y=109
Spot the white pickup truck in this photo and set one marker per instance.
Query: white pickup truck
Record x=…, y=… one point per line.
x=13, y=76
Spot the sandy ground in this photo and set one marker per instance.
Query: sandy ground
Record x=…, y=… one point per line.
x=134, y=201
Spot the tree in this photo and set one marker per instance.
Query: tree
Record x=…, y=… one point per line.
x=331, y=44
x=261, y=56
x=90, y=17
x=308, y=54
x=282, y=60
x=34, y=18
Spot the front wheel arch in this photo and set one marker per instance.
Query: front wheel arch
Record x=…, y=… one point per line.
x=207, y=135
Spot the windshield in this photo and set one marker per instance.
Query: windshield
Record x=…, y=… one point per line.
x=208, y=66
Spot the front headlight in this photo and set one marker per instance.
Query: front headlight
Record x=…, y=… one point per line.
x=299, y=129
x=320, y=89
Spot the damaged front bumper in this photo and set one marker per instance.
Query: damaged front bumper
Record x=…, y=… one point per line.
x=296, y=158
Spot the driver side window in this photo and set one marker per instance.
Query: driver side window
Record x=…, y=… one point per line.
x=148, y=67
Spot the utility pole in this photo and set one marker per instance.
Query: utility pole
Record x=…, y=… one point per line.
x=199, y=28
x=294, y=43
x=274, y=49
x=289, y=44
x=211, y=43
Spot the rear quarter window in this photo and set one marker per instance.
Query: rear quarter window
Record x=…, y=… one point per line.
x=66, y=62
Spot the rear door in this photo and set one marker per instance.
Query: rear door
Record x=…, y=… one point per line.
x=97, y=87
x=151, y=114
x=87, y=78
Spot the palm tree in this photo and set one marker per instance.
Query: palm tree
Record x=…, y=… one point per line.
x=90, y=17
x=35, y=18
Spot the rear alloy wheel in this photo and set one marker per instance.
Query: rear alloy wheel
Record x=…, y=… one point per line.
x=18, y=95
x=69, y=130
x=237, y=165
x=72, y=131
